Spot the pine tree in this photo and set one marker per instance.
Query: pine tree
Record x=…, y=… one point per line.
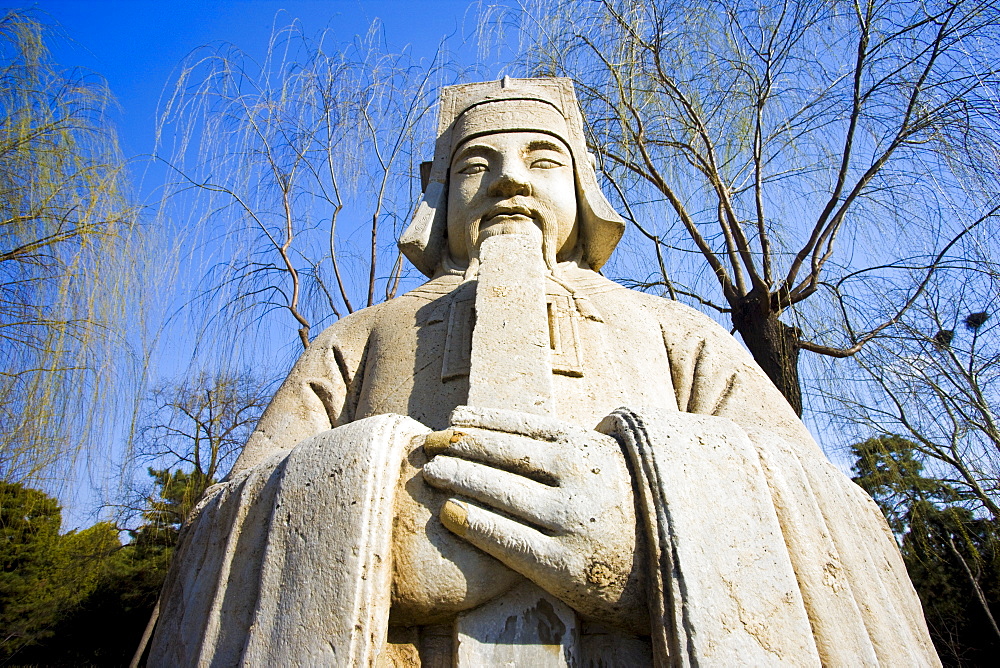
x=952, y=556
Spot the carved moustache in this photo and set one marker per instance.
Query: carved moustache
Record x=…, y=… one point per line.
x=476, y=232
x=511, y=209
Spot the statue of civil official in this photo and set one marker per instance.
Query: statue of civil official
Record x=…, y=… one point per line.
x=523, y=463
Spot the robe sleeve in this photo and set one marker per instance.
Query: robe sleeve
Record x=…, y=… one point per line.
x=713, y=374
x=850, y=577
x=315, y=396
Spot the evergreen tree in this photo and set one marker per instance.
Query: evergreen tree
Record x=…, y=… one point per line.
x=105, y=627
x=178, y=493
x=82, y=598
x=42, y=573
x=952, y=556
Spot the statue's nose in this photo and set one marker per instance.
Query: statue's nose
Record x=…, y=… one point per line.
x=510, y=183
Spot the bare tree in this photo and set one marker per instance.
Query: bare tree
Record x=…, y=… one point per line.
x=67, y=285
x=774, y=149
x=934, y=377
x=196, y=428
x=301, y=170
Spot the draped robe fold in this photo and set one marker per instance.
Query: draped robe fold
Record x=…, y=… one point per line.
x=760, y=551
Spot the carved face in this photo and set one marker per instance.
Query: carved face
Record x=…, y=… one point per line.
x=509, y=183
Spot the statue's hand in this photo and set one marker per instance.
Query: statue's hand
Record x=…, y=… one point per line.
x=552, y=501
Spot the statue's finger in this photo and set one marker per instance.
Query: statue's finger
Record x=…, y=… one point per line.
x=522, y=548
x=516, y=495
x=537, y=460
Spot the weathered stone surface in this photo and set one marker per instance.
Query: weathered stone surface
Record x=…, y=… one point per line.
x=603, y=463
x=253, y=559
x=525, y=627
x=735, y=595
x=511, y=353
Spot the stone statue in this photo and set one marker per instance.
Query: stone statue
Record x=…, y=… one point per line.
x=523, y=463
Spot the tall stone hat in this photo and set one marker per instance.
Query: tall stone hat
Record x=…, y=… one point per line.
x=546, y=105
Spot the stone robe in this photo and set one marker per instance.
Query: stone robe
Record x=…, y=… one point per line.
x=760, y=552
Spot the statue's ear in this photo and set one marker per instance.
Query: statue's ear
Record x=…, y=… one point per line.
x=425, y=174
x=424, y=240
x=600, y=225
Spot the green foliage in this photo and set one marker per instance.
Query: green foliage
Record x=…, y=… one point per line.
x=30, y=528
x=82, y=598
x=43, y=573
x=952, y=556
x=886, y=467
x=104, y=628
x=178, y=493
x=197, y=425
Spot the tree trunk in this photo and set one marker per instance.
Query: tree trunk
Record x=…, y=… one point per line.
x=773, y=344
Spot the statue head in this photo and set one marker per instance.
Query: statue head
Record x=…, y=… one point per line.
x=482, y=128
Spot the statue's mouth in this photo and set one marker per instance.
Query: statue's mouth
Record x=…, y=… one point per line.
x=508, y=212
x=508, y=218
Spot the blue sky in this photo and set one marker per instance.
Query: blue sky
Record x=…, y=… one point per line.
x=136, y=44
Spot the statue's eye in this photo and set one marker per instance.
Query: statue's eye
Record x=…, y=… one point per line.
x=545, y=163
x=473, y=168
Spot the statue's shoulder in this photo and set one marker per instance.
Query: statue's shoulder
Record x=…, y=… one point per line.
x=686, y=327
x=676, y=311
x=353, y=326
x=670, y=312
x=399, y=311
